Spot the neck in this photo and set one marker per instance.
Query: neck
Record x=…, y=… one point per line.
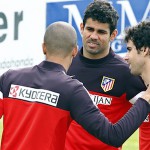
x=146, y=73
x=61, y=61
x=99, y=55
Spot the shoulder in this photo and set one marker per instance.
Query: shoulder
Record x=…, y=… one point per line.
x=73, y=83
x=121, y=63
x=120, y=60
x=15, y=72
x=14, y=75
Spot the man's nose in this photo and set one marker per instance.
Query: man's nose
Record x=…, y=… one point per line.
x=94, y=35
x=126, y=57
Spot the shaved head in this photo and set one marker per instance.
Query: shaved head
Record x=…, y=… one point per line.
x=60, y=38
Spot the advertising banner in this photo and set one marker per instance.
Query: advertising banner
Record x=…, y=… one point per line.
x=22, y=25
x=130, y=12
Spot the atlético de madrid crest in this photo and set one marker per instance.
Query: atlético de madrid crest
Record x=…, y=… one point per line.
x=107, y=83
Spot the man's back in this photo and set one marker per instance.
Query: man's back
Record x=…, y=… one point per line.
x=32, y=113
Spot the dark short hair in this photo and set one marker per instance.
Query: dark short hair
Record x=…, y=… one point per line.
x=102, y=11
x=139, y=34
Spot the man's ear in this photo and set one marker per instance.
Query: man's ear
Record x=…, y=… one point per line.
x=44, y=48
x=81, y=28
x=75, y=51
x=113, y=35
x=146, y=51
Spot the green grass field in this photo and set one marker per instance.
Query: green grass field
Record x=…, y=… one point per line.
x=130, y=144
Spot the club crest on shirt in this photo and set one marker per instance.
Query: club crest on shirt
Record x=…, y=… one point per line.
x=107, y=83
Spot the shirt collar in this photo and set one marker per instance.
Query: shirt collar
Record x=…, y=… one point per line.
x=96, y=61
x=51, y=66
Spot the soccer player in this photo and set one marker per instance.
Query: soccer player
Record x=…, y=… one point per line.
x=38, y=103
x=138, y=57
x=105, y=75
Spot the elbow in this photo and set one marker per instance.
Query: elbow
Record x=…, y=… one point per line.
x=117, y=143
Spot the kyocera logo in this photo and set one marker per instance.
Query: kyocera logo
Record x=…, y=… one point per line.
x=71, y=11
x=13, y=91
x=34, y=95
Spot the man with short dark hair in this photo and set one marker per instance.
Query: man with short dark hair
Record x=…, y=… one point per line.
x=138, y=57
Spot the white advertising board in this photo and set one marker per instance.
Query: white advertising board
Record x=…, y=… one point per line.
x=22, y=27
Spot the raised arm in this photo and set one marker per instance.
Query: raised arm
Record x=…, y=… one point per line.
x=87, y=115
